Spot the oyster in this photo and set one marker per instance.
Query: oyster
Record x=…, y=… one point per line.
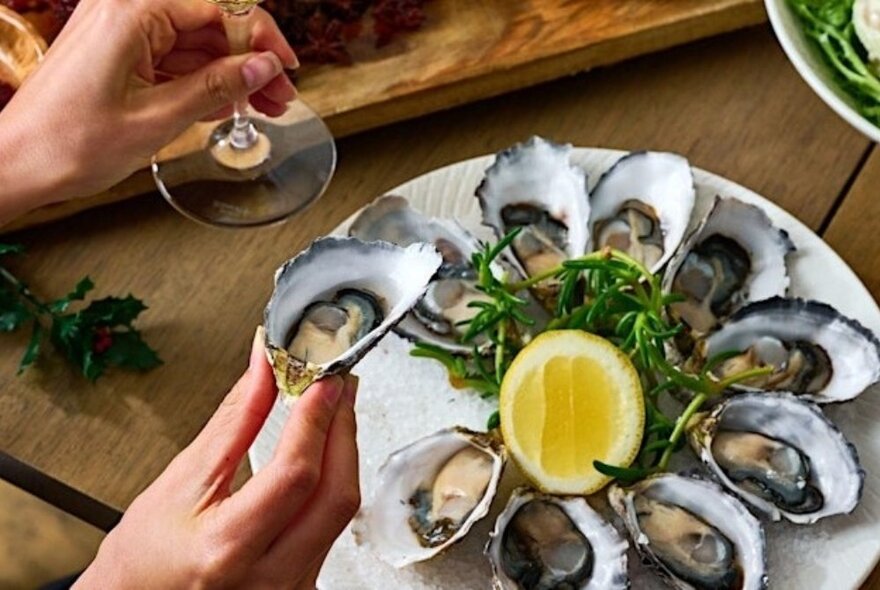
x=815, y=352
x=781, y=455
x=429, y=494
x=735, y=256
x=642, y=206
x=543, y=542
x=697, y=536
x=334, y=301
x=436, y=318
x=535, y=187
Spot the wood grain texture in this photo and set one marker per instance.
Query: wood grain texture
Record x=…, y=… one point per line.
x=472, y=50
x=853, y=230
x=732, y=104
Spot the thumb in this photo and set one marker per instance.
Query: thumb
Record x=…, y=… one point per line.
x=217, y=85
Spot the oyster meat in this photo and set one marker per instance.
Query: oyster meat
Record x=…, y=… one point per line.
x=543, y=542
x=429, y=494
x=781, y=455
x=735, y=256
x=642, y=206
x=815, y=352
x=534, y=186
x=696, y=536
x=437, y=317
x=334, y=301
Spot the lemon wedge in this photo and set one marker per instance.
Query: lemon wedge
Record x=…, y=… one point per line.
x=570, y=398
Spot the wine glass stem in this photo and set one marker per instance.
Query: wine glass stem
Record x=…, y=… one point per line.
x=243, y=134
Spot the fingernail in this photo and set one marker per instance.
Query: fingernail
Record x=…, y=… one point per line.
x=257, y=349
x=292, y=64
x=260, y=69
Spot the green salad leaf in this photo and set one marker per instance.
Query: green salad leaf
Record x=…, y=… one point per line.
x=828, y=23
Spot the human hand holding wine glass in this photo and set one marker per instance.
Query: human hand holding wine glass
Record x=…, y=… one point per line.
x=122, y=80
x=252, y=170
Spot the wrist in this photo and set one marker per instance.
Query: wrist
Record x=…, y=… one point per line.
x=31, y=176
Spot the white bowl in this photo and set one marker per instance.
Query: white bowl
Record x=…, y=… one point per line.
x=809, y=63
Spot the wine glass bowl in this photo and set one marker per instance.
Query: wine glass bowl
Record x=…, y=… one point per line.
x=249, y=170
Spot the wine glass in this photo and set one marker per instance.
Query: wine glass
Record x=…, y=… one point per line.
x=251, y=170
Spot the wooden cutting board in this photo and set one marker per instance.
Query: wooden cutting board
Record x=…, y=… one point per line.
x=470, y=50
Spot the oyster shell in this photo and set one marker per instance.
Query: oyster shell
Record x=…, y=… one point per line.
x=735, y=256
x=534, y=186
x=429, y=494
x=781, y=455
x=816, y=352
x=642, y=206
x=543, y=542
x=693, y=533
x=436, y=318
x=334, y=301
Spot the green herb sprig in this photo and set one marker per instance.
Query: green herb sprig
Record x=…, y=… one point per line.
x=98, y=336
x=607, y=293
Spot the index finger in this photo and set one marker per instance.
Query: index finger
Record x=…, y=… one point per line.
x=268, y=501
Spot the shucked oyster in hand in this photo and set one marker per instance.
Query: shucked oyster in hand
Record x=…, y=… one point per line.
x=429, y=494
x=334, y=301
x=544, y=542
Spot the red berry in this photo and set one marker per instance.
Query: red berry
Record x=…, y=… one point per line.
x=103, y=340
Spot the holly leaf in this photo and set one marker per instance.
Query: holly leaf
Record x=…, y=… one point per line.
x=33, y=348
x=92, y=365
x=112, y=311
x=78, y=294
x=13, y=313
x=11, y=249
x=129, y=351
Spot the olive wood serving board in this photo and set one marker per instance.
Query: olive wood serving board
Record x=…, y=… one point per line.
x=471, y=50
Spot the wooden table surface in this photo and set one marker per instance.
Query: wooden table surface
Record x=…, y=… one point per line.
x=733, y=105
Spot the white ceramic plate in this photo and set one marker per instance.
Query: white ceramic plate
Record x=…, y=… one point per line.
x=402, y=399
x=808, y=62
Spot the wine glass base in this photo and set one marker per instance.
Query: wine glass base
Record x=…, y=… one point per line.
x=224, y=151
x=218, y=187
